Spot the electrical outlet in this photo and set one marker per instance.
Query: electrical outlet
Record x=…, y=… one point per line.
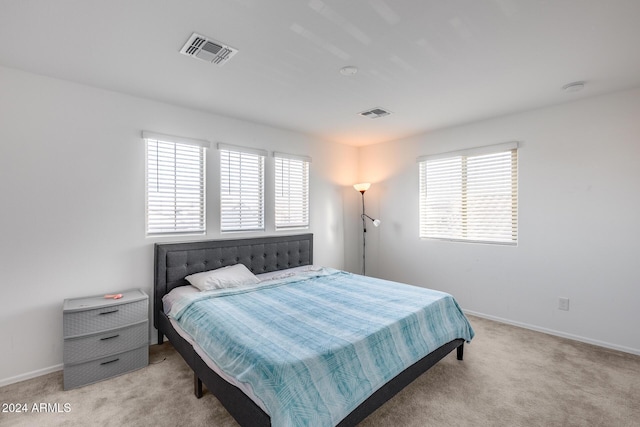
x=563, y=303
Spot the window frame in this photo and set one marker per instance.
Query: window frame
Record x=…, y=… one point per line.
x=465, y=219
x=227, y=196
x=296, y=203
x=189, y=184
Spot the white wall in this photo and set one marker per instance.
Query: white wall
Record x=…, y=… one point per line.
x=72, y=193
x=72, y=211
x=579, y=212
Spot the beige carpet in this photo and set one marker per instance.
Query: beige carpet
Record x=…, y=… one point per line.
x=510, y=377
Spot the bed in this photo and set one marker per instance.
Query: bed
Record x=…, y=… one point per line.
x=175, y=261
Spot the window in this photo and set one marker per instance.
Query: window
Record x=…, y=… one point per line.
x=470, y=195
x=292, y=191
x=175, y=184
x=241, y=188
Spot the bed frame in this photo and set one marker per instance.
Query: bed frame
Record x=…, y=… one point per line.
x=174, y=261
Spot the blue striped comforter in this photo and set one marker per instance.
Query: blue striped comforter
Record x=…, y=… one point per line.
x=314, y=346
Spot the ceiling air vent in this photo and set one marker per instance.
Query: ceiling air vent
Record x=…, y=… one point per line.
x=374, y=113
x=207, y=49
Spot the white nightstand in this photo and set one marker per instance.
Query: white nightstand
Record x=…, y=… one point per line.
x=104, y=337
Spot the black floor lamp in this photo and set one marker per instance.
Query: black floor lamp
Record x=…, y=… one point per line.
x=362, y=187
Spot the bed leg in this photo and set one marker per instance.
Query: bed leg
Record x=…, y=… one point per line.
x=460, y=351
x=160, y=337
x=197, y=386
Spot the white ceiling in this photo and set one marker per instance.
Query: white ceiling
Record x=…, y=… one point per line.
x=433, y=63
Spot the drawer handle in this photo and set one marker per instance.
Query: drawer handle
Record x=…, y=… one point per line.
x=108, y=338
x=109, y=312
x=110, y=361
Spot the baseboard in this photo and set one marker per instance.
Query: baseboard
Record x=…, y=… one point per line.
x=29, y=375
x=556, y=333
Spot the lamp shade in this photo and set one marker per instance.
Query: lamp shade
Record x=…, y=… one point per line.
x=376, y=222
x=362, y=187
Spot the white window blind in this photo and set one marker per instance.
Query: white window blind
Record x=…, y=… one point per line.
x=470, y=195
x=292, y=191
x=175, y=184
x=241, y=188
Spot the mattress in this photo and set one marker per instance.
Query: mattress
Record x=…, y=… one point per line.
x=177, y=293
x=310, y=347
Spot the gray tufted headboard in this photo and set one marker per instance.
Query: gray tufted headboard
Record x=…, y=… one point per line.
x=174, y=261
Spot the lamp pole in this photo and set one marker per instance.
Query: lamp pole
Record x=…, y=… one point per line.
x=364, y=235
x=376, y=222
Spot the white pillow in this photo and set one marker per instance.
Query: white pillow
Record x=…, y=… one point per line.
x=175, y=294
x=288, y=272
x=231, y=276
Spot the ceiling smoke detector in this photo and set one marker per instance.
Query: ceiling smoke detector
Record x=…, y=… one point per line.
x=207, y=49
x=349, y=70
x=573, y=87
x=374, y=113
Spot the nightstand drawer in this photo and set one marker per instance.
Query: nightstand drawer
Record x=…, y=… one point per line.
x=99, y=319
x=106, y=367
x=109, y=342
